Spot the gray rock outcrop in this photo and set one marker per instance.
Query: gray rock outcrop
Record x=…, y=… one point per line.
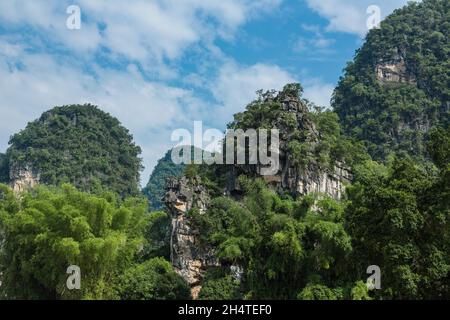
x=23, y=177
x=394, y=70
x=189, y=257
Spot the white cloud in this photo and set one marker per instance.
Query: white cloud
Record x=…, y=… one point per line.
x=146, y=34
x=317, y=42
x=33, y=83
x=318, y=92
x=236, y=86
x=351, y=16
x=141, y=30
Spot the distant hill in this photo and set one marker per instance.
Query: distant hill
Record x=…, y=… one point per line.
x=79, y=144
x=155, y=188
x=164, y=169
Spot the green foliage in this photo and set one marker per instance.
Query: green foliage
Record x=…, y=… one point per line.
x=399, y=219
x=319, y=292
x=48, y=229
x=360, y=292
x=313, y=247
x=81, y=145
x=396, y=214
x=219, y=284
x=439, y=146
x=280, y=243
x=156, y=186
x=4, y=168
x=393, y=117
x=157, y=235
x=191, y=171
x=334, y=146
x=153, y=279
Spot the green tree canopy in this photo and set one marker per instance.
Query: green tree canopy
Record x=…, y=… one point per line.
x=48, y=229
x=153, y=279
x=282, y=245
x=399, y=219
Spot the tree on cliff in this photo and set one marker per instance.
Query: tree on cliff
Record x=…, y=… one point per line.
x=81, y=145
x=284, y=246
x=153, y=279
x=395, y=216
x=310, y=134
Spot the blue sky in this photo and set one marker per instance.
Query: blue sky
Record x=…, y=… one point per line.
x=159, y=65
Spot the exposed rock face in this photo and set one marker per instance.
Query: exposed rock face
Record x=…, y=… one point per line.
x=23, y=178
x=298, y=181
x=189, y=257
x=394, y=71
x=316, y=180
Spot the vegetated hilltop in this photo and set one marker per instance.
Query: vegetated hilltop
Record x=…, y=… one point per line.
x=398, y=86
x=78, y=144
x=226, y=216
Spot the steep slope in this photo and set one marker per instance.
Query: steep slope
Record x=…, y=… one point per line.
x=398, y=86
x=155, y=188
x=79, y=144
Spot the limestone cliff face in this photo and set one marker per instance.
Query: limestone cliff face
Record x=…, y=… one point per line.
x=314, y=178
x=300, y=182
x=394, y=70
x=23, y=177
x=318, y=180
x=188, y=256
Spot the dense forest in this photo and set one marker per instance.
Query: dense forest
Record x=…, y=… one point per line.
x=395, y=116
x=389, y=128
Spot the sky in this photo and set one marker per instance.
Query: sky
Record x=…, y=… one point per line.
x=160, y=65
